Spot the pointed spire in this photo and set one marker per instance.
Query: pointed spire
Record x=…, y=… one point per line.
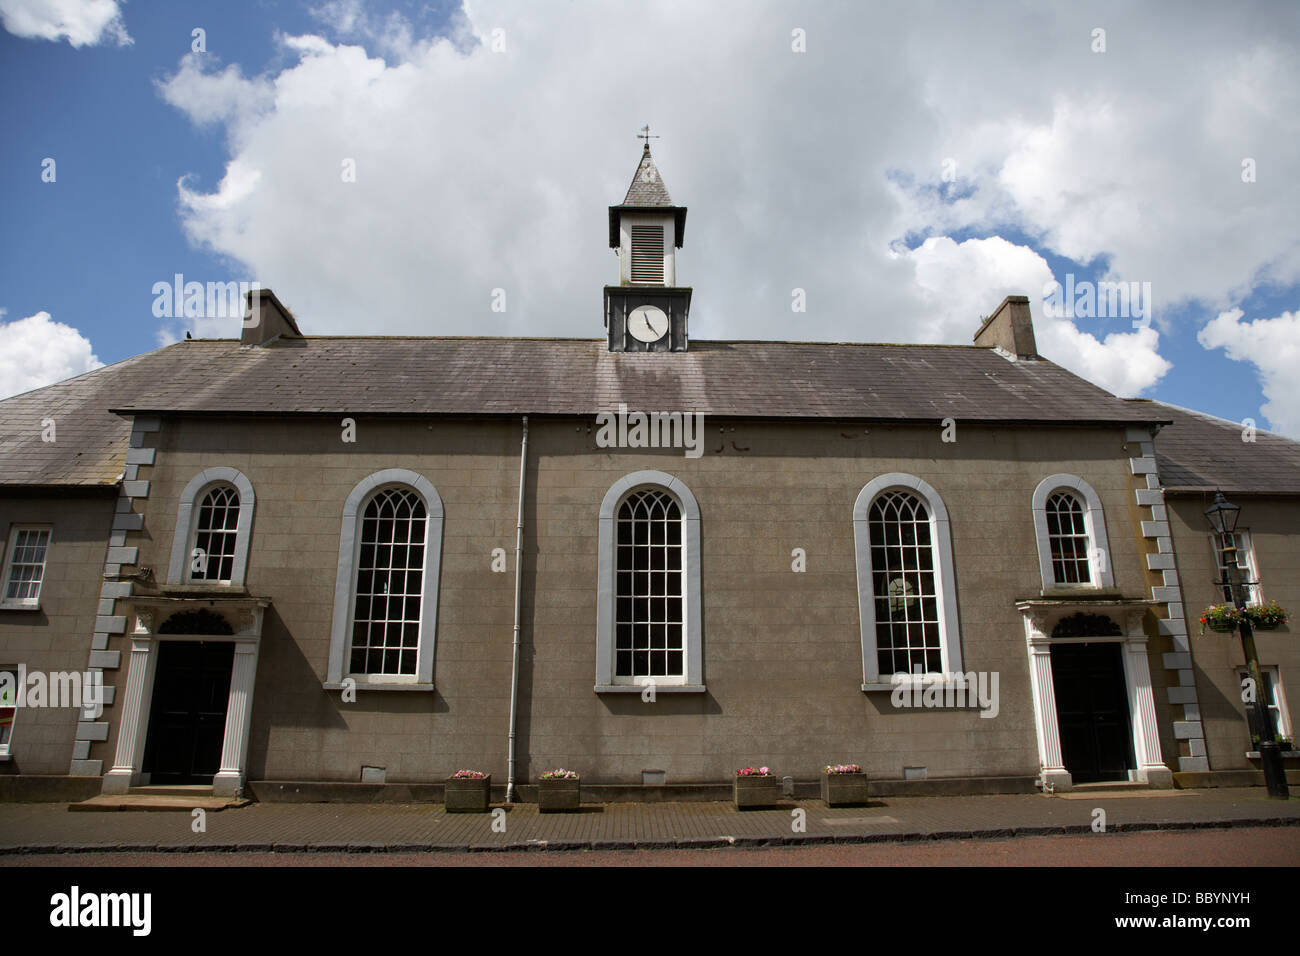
x=647, y=187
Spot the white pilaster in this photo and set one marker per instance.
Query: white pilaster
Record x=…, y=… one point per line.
x=1054, y=774
x=229, y=781
x=1146, y=733
x=135, y=711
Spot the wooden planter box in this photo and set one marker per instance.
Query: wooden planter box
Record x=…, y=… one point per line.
x=559, y=796
x=752, y=793
x=467, y=796
x=1221, y=628
x=844, y=789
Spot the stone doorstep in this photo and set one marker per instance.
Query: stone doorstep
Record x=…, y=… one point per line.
x=166, y=802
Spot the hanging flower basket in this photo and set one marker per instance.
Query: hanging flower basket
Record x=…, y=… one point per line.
x=1266, y=617
x=1224, y=618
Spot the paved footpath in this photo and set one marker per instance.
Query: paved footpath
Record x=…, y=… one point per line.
x=369, y=828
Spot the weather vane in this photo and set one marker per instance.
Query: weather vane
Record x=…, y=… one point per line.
x=645, y=135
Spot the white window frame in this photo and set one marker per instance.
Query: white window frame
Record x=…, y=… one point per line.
x=178, y=568
x=944, y=580
x=11, y=545
x=17, y=672
x=1269, y=672
x=692, y=680
x=1248, y=572
x=346, y=581
x=1094, y=523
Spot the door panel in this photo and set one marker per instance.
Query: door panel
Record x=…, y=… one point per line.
x=187, y=717
x=1092, y=710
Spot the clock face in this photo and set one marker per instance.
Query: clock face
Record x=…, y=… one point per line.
x=647, y=323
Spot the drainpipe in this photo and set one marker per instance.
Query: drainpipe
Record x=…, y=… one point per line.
x=514, y=665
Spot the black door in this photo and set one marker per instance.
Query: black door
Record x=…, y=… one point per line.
x=1092, y=711
x=187, y=718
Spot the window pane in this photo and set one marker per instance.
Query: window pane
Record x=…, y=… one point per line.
x=1068, y=539
x=390, y=575
x=903, y=584
x=215, y=535
x=27, y=565
x=648, y=586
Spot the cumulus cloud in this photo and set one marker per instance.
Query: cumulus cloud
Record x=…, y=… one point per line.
x=81, y=22
x=953, y=275
x=37, y=351
x=1273, y=347
x=216, y=96
x=485, y=159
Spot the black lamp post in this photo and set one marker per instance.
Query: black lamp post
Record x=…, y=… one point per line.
x=1223, y=517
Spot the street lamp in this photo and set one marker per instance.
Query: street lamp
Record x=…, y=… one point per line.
x=1223, y=516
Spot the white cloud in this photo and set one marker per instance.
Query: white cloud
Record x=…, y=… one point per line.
x=979, y=273
x=38, y=351
x=216, y=97
x=478, y=170
x=1273, y=347
x=82, y=22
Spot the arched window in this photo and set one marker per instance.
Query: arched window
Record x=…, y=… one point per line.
x=648, y=613
x=907, y=596
x=649, y=587
x=1068, y=539
x=386, y=590
x=1073, y=551
x=212, y=558
x=213, y=522
x=903, y=585
x=390, y=584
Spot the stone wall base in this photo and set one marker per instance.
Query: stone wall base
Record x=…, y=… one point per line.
x=317, y=791
x=1228, y=778
x=47, y=788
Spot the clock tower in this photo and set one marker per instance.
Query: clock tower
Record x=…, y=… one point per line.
x=647, y=310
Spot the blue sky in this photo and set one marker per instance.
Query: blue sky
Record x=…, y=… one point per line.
x=489, y=139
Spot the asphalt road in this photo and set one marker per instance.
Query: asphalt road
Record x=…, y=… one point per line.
x=1211, y=847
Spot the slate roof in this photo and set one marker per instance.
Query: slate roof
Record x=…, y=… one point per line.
x=90, y=442
x=513, y=376
x=1199, y=453
x=647, y=187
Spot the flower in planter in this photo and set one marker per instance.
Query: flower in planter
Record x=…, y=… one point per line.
x=1220, y=617
x=468, y=775
x=560, y=774
x=753, y=772
x=1266, y=615
x=843, y=768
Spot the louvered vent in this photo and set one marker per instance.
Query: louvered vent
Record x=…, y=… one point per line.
x=648, y=254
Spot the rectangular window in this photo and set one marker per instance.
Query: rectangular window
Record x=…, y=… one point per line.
x=24, y=568
x=648, y=254
x=1245, y=565
x=1274, y=700
x=8, y=707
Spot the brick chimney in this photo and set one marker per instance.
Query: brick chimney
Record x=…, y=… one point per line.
x=1010, y=328
x=266, y=319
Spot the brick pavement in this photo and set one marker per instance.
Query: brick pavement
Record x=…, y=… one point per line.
x=28, y=828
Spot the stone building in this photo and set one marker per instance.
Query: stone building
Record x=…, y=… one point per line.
x=327, y=560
